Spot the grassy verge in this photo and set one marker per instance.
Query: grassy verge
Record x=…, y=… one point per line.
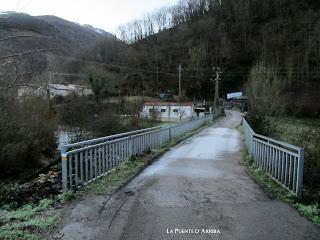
x=26, y=222
x=274, y=190
x=304, y=132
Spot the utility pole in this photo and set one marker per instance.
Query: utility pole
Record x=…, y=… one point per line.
x=119, y=102
x=179, y=83
x=157, y=74
x=216, y=73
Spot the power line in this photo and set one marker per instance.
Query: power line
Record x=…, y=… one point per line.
x=23, y=36
x=28, y=52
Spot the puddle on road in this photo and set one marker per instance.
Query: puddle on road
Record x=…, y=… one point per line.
x=215, y=142
x=194, y=158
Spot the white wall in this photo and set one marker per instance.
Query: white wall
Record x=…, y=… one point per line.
x=170, y=113
x=55, y=90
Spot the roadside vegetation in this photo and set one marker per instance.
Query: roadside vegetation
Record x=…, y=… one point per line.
x=29, y=125
x=310, y=210
x=272, y=112
x=27, y=134
x=304, y=132
x=27, y=222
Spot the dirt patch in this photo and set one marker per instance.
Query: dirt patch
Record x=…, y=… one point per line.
x=45, y=186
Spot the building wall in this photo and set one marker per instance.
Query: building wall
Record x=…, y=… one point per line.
x=55, y=90
x=169, y=113
x=24, y=90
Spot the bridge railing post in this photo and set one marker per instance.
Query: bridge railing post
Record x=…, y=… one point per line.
x=64, y=164
x=300, y=172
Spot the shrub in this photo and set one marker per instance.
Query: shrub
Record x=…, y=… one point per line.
x=27, y=133
x=310, y=140
x=304, y=133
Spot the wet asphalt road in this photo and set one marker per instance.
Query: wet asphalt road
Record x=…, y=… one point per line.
x=199, y=187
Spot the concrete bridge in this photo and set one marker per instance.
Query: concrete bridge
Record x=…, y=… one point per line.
x=198, y=190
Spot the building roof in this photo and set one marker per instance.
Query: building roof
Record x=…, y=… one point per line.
x=69, y=87
x=162, y=103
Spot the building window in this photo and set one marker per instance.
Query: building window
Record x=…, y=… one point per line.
x=163, y=110
x=175, y=110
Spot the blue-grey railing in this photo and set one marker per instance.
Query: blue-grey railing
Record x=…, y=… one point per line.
x=86, y=161
x=283, y=162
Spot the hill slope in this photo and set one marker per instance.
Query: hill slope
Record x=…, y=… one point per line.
x=274, y=40
x=70, y=37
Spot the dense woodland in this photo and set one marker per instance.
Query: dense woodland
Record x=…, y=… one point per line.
x=281, y=37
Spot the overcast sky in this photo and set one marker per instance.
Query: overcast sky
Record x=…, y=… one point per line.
x=105, y=14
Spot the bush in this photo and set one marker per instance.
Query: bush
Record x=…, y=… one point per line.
x=105, y=123
x=77, y=112
x=310, y=140
x=260, y=124
x=27, y=133
x=304, y=133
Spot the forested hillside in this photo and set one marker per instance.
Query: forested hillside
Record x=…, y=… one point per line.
x=59, y=41
x=272, y=39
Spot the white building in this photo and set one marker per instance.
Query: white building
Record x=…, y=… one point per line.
x=55, y=90
x=169, y=111
x=30, y=90
x=65, y=90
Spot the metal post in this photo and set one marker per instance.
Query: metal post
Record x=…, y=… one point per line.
x=64, y=161
x=179, y=83
x=300, y=172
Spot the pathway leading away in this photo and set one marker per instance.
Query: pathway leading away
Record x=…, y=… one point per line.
x=197, y=190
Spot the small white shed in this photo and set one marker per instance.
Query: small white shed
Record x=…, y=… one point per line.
x=169, y=111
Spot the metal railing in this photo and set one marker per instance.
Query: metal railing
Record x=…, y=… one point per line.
x=86, y=161
x=283, y=162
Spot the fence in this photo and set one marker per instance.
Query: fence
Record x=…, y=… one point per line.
x=85, y=161
x=283, y=162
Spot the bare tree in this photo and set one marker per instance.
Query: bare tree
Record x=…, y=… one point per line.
x=181, y=113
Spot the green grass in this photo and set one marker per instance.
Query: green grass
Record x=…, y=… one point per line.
x=26, y=222
x=266, y=182
x=290, y=128
x=303, y=132
x=66, y=196
x=312, y=212
x=115, y=178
